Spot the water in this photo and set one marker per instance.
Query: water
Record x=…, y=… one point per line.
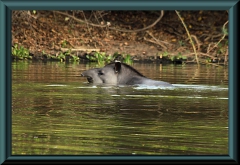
x=54, y=111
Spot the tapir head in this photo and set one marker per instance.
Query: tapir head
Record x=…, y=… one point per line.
x=117, y=73
x=109, y=73
x=92, y=76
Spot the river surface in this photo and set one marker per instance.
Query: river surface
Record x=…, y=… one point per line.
x=56, y=112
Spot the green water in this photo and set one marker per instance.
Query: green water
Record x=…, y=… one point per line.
x=55, y=112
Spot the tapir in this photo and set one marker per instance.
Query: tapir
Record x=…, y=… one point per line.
x=117, y=73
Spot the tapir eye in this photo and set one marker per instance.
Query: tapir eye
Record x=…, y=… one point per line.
x=100, y=73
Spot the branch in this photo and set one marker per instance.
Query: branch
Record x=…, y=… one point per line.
x=112, y=28
x=189, y=36
x=156, y=40
x=220, y=39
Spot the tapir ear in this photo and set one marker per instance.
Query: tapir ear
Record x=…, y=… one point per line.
x=117, y=66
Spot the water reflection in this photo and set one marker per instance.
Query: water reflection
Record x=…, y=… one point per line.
x=56, y=112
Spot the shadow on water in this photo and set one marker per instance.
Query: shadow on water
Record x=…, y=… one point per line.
x=56, y=112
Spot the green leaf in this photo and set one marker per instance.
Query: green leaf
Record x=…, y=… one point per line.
x=165, y=54
x=184, y=57
x=75, y=58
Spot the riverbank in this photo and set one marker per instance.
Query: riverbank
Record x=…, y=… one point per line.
x=144, y=35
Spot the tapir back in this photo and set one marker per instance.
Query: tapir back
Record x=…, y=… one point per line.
x=130, y=76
